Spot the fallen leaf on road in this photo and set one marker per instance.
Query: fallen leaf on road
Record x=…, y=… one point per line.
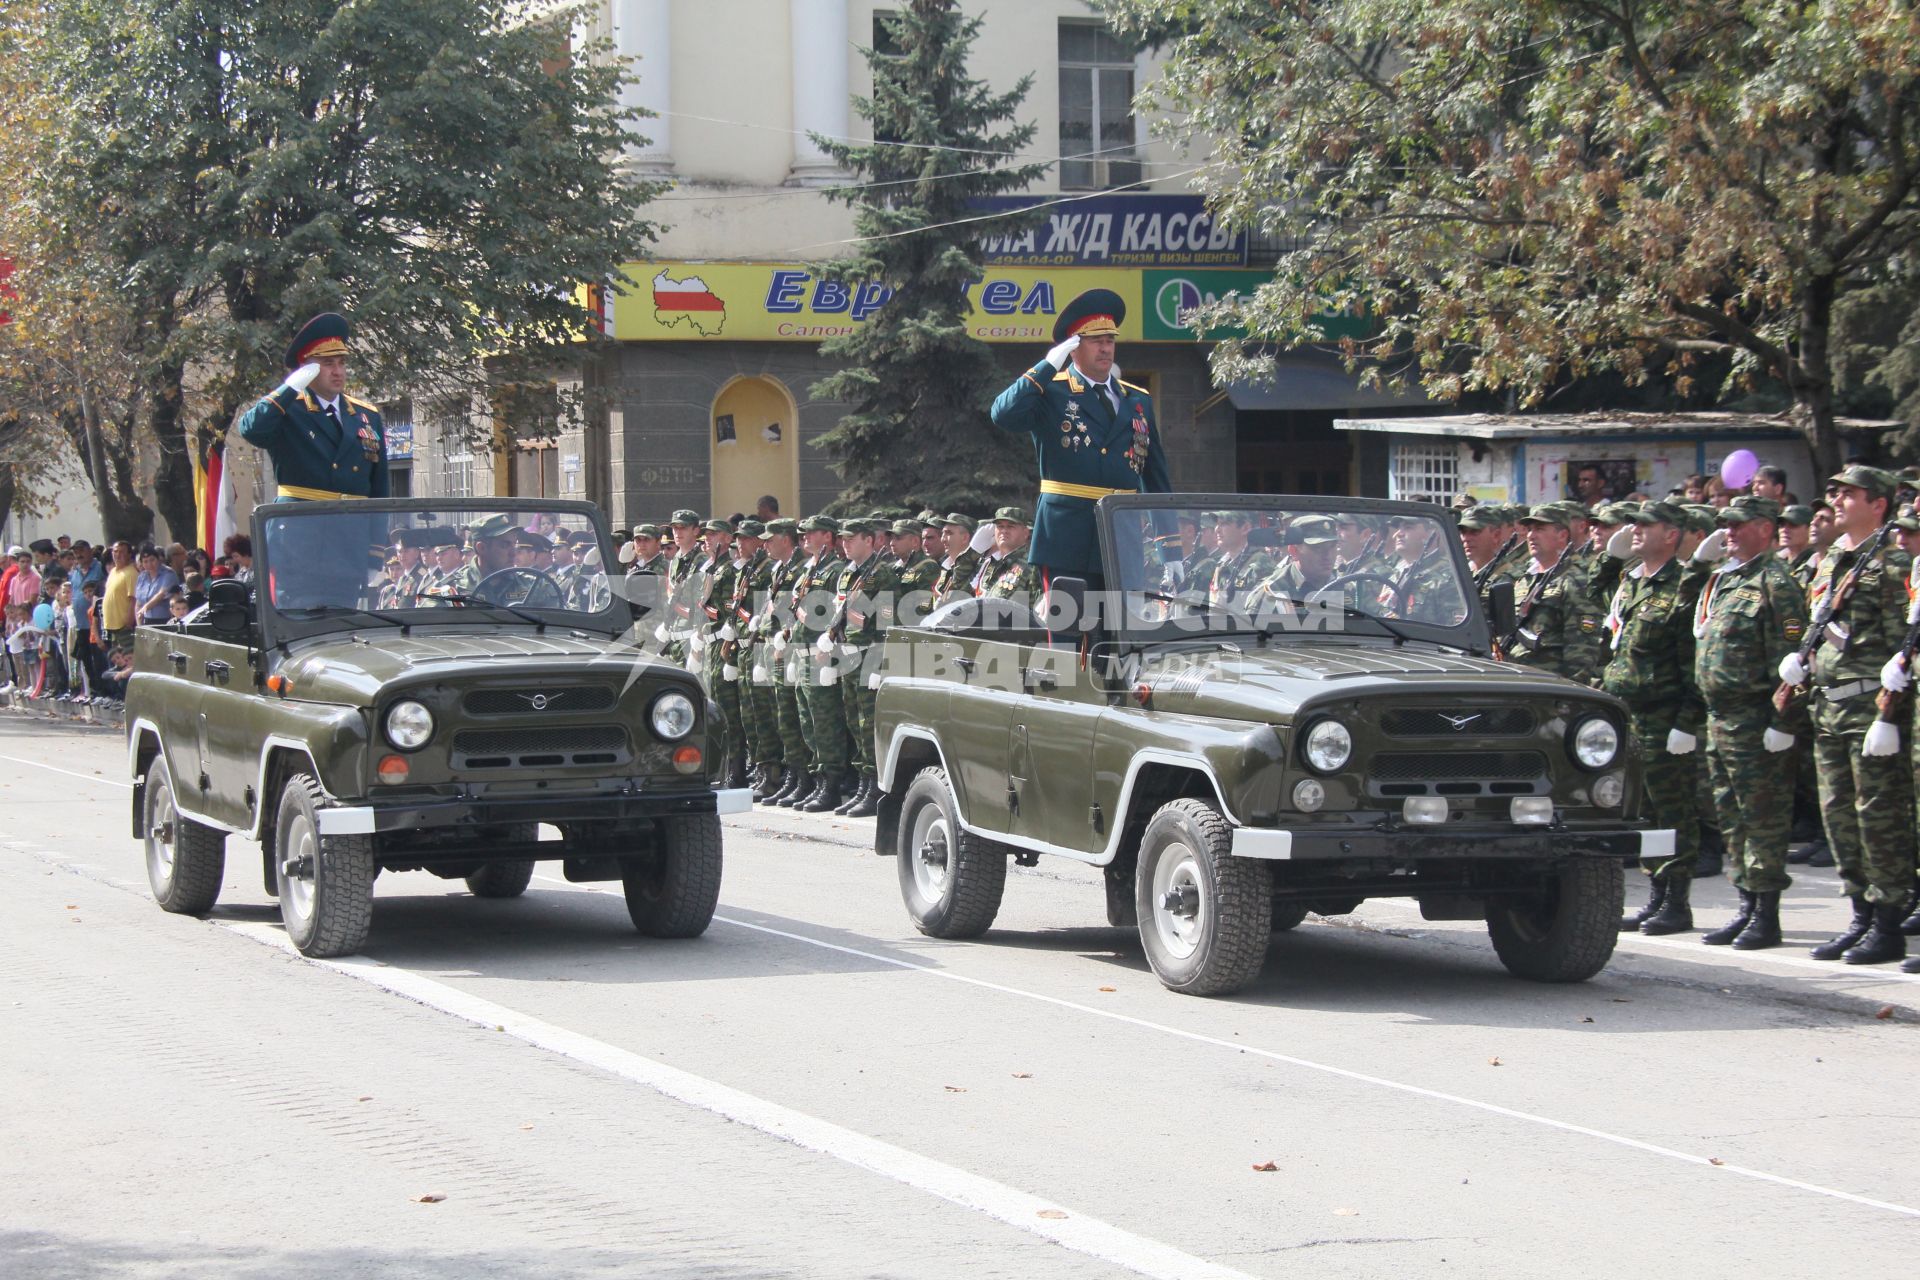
x=1493, y=1062
x=1347, y=1213
x=1023, y=1075
x=1886, y=1011
x=953, y=1088
x=1268, y=1167
x=499, y=1028
x=525, y=1127
x=1586, y=1019
x=73, y=906
x=365, y=1097
x=429, y=1198
x=1715, y=1160
x=1052, y=1213
x=1107, y=988
x=1622, y=1000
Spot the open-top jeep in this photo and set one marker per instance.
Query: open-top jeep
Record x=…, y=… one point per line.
x=1234, y=763
x=355, y=717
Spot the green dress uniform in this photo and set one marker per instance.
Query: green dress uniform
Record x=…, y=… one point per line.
x=320, y=452
x=1091, y=441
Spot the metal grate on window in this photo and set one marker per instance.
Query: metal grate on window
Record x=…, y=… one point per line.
x=1425, y=472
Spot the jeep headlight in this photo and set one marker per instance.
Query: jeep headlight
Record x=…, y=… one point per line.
x=1595, y=742
x=409, y=725
x=1329, y=746
x=672, y=716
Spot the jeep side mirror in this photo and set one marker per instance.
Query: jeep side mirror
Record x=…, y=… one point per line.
x=1500, y=615
x=644, y=593
x=1065, y=607
x=229, y=608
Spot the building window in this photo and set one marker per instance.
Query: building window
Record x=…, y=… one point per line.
x=1096, y=109
x=536, y=470
x=1425, y=472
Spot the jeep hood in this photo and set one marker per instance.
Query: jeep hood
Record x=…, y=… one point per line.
x=1248, y=682
x=354, y=667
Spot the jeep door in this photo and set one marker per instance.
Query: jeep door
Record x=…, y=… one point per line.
x=1050, y=773
x=986, y=684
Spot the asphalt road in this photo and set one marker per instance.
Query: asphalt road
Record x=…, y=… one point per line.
x=813, y=1089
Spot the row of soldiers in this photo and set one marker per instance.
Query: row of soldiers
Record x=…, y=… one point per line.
x=784, y=619
x=1714, y=627
x=436, y=566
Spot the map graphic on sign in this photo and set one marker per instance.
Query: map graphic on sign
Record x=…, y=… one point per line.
x=688, y=301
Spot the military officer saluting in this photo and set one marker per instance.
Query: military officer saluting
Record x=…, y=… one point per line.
x=1095, y=435
x=325, y=444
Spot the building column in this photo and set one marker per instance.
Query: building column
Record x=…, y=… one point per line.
x=643, y=30
x=818, y=36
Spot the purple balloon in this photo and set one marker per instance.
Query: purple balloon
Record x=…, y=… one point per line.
x=1738, y=469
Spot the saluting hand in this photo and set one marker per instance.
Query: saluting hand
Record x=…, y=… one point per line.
x=1058, y=356
x=302, y=378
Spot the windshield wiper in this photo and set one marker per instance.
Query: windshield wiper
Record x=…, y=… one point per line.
x=1391, y=628
x=459, y=598
x=344, y=610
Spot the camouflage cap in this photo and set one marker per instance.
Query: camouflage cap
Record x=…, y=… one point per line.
x=646, y=531
x=685, y=515
x=1909, y=476
x=819, y=524
x=928, y=517
x=1615, y=513
x=856, y=525
x=1908, y=521
x=1548, y=513
x=908, y=526
x=1574, y=510
x=956, y=518
x=495, y=527
x=1662, y=512
x=881, y=517
x=1700, y=517
x=1483, y=516
x=751, y=529
x=1876, y=482
x=1746, y=507
x=1312, y=531
x=1512, y=512
x=1798, y=514
x=783, y=525
x=715, y=526
x=1012, y=515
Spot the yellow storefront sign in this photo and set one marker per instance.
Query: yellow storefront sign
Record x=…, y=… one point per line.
x=785, y=302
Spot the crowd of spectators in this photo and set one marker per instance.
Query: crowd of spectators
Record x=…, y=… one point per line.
x=71, y=609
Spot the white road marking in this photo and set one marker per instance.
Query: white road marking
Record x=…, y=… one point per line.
x=1065, y=1227
x=84, y=777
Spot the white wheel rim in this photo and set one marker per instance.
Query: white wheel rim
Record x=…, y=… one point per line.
x=932, y=853
x=162, y=832
x=297, y=867
x=1181, y=912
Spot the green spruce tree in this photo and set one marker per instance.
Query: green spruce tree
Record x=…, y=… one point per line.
x=918, y=382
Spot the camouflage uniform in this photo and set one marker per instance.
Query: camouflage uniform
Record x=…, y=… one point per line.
x=823, y=713
x=1235, y=577
x=916, y=574
x=955, y=581
x=1650, y=668
x=715, y=605
x=1867, y=801
x=1423, y=591
x=866, y=592
x=1012, y=578
x=773, y=661
x=1558, y=624
x=1747, y=619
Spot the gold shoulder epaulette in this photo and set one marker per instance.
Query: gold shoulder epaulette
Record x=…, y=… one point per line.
x=356, y=403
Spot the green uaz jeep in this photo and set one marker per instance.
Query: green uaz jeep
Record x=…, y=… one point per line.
x=1297, y=718
x=355, y=711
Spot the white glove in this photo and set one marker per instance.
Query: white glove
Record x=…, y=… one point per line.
x=698, y=644
x=873, y=681
x=1680, y=744
x=660, y=633
x=829, y=675
x=729, y=672
x=1056, y=357
x=1712, y=548
x=982, y=537
x=1883, y=739
x=760, y=675
x=1893, y=676
x=628, y=553
x=1792, y=670
x=1776, y=741
x=302, y=378
x=728, y=633
x=1620, y=545
x=823, y=645
x=780, y=643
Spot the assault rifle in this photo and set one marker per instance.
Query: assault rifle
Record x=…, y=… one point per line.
x=1504, y=645
x=1787, y=695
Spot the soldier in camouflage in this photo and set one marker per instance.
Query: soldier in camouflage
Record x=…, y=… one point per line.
x=1483, y=537
x=682, y=591
x=1241, y=567
x=1866, y=784
x=1361, y=548
x=1307, y=570
x=1650, y=648
x=823, y=711
x=915, y=570
x=955, y=579
x=767, y=634
x=1011, y=576
x=864, y=597
x=1750, y=614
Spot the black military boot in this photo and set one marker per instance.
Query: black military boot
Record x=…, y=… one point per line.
x=1656, y=890
x=1822, y=855
x=1675, y=914
x=869, y=802
x=1835, y=947
x=1911, y=925
x=824, y=796
x=1883, y=940
x=804, y=785
x=1709, y=860
x=1763, y=930
x=848, y=801
x=1910, y=965
x=772, y=778
x=1733, y=928
x=737, y=773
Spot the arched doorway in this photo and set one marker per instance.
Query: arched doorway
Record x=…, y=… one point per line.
x=756, y=441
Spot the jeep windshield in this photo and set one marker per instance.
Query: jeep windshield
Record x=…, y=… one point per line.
x=327, y=566
x=1203, y=565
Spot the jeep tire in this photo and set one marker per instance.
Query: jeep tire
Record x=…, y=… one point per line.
x=1565, y=933
x=325, y=882
x=1205, y=915
x=186, y=860
x=1289, y=915
x=673, y=893
x=505, y=877
x=950, y=879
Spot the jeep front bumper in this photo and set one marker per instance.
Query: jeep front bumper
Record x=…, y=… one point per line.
x=1414, y=844
x=491, y=811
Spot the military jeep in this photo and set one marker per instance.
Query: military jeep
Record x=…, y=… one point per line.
x=1234, y=760
x=355, y=716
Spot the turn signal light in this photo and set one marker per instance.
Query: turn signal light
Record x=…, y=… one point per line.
x=279, y=684
x=392, y=769
x=687, y=759
x=1143, y=693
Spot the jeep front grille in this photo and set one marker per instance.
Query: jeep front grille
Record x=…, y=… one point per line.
x=535, y=700
x=1426, y=722
x=531, y=748
x=1457, y=773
